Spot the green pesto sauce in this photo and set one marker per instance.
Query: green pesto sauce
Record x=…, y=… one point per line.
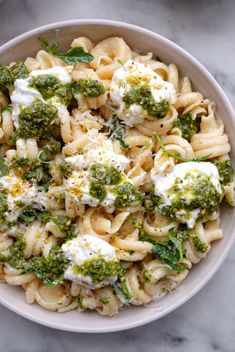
x=37, y=120
x=104, y=299
x=106, y=175
x=187, y=125
x=49, y=86
x=33, y=170
x=225, y=170
x=19, y=70
x=97, y=190
x=199, y=245
x=65, y=168
x=88, y=87
x=126, y=195
x=3, y=207
x=98, y=269
x=199, y=192
x=5, y=76
x=143, y=96
x=49, y=269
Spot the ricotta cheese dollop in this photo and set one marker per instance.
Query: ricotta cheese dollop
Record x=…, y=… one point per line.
x=23, y=95
x=178, y=185
x=135, y=74
x=85, y=248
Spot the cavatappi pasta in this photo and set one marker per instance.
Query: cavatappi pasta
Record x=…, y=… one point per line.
x=112, y=170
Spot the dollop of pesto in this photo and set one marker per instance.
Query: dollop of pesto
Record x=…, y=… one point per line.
x=126, y=195
x=65, y=168
x=197, y=193
x=50, y=86
x=19, y=70
x=187, y=125
x=225, y=170
x=106, y=175
x=37, y=120
x=98, y=269
x=199, y=245
x=3, y=207
x=97, y=190
x=88, y=87
x=49, y=269
x=9, y=74
x=144, y=97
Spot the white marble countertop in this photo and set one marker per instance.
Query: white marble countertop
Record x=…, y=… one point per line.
x=206, y=29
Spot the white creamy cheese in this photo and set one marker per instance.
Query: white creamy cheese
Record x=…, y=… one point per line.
x=57, y=71
x=83, y=248
x=108, y=157
x=163, y=182
x=21, y=191
x=137, y=74
x=23, y=95
x=78, y=186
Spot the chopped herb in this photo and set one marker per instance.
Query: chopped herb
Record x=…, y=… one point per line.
x=8, y=107
x=104, y=300
x=70, y=57
x=121, y=289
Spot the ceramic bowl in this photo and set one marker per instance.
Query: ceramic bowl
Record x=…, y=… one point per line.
x=144, y=41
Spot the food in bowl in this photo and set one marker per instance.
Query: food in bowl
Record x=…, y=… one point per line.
x=112, y=173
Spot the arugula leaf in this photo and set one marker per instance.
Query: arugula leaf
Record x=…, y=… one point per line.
x=116, y=132
x=155, y=136
x=70, y=57
x=3, y=167
x=170, y=253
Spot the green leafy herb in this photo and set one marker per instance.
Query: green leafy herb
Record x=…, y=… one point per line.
x=187, y=125
x=170, y=252
x=121, y=289
x=70, y=57
x=116, y=132
x=155, y=136
x=8, y=107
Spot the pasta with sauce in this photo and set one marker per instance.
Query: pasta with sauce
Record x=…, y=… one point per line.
x=112, y=171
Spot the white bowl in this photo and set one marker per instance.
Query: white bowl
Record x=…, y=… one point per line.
x=143, y=41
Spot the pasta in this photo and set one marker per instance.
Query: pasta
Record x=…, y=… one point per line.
x=112, y=170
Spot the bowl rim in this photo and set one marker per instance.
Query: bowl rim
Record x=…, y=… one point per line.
x=216, y=86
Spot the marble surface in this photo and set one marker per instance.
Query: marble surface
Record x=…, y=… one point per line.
x=206, y=30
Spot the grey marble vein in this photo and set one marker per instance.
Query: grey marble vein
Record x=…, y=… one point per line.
x=206, y=29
